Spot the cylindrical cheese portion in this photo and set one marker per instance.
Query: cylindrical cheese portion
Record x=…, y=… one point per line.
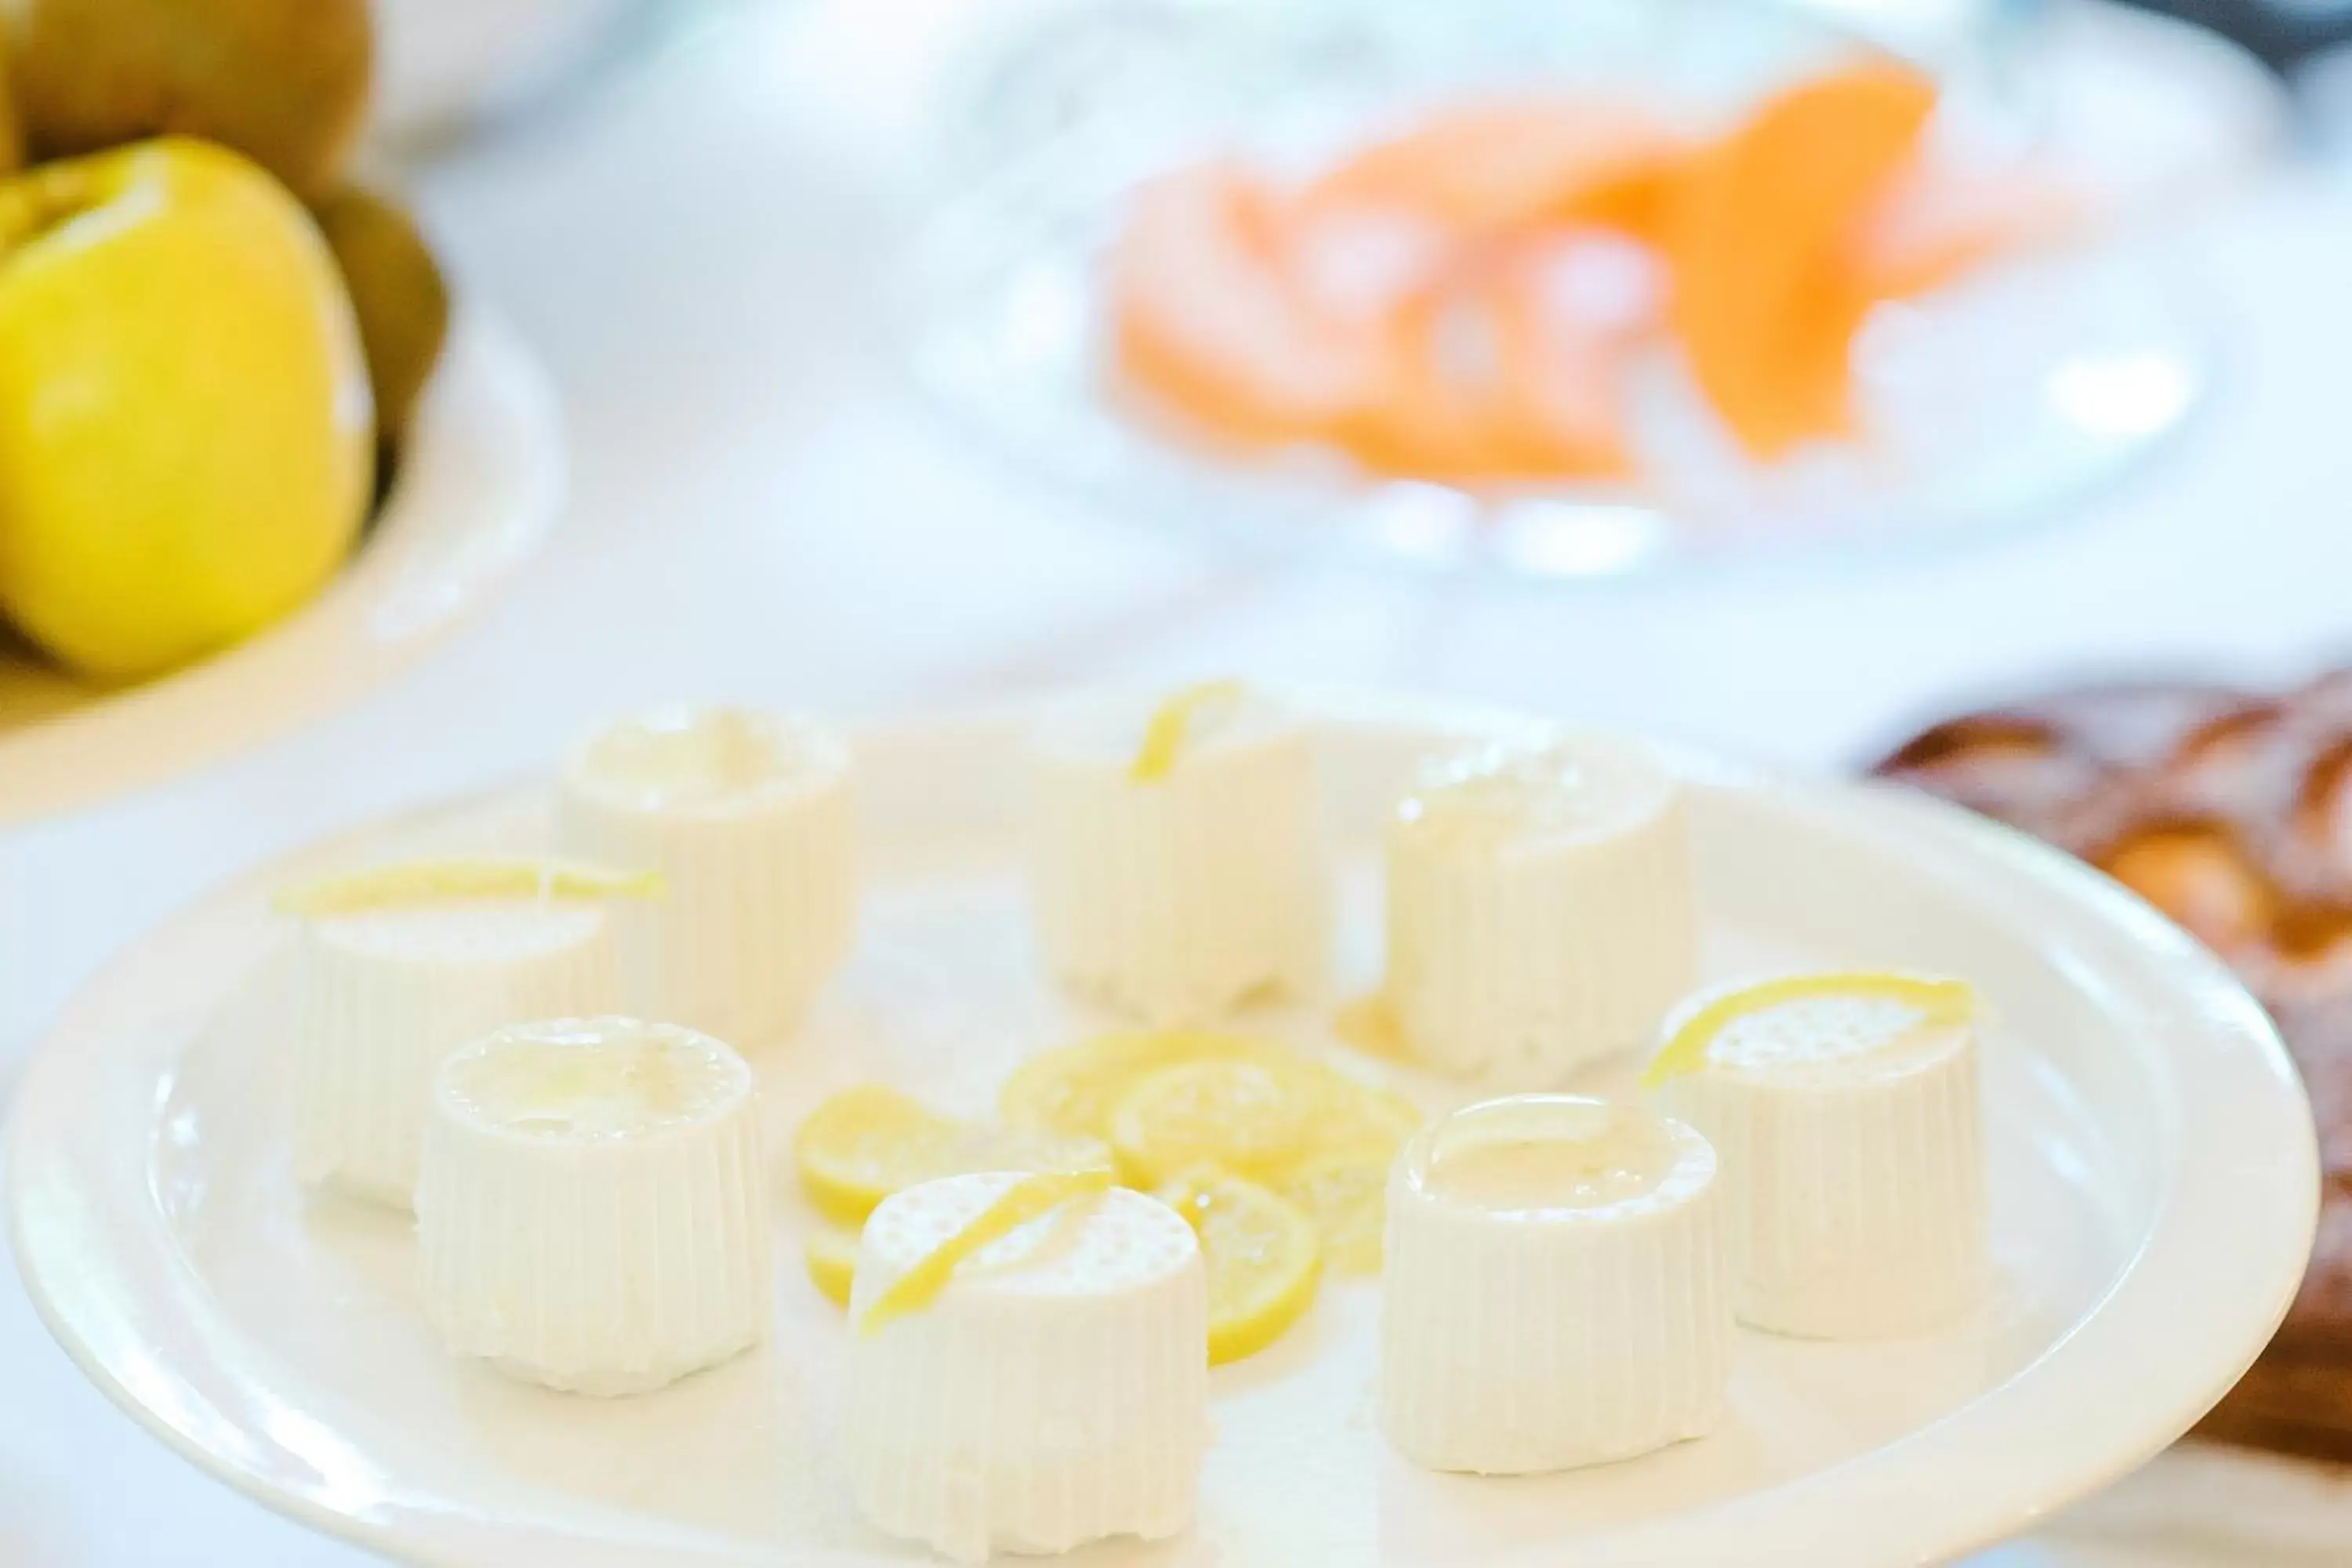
x=386, y=994
x=1175, y=897
x=1853, y=1160
x=1556, y=1291
x=1540, y=909
x=749, y=819
x=592, y=1212
x=1055, y=1393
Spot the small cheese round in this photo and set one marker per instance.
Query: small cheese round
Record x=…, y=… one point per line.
x=592, y=1212
x=1849, y=1130
x=1179, y=871
x=749, y=820
x=1556, y=1287
x=386, y=994
x=1540, y=909
x=1055, y=1392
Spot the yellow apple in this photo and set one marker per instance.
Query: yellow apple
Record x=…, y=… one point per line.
x=186, y=439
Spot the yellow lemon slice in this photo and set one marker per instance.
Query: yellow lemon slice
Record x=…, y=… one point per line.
x=480, y=877
x=1346, y=1197
x=1172, y=724
x=864, y=1144
x=1031, y=1197
x=1939, y=1003
x=1253, y=1117
x=1076, y=1087
x=831, y=1258
x=1262, y=1255
x=867, y=1142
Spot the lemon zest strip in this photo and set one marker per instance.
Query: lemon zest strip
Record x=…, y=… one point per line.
x=1941, y=1003
x=1171, y=724
x=1030, y=1198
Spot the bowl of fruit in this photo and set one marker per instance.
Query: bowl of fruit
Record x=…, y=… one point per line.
x=251, y=459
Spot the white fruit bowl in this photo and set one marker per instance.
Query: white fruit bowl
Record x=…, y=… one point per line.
x=2153, y=1171
x=478, y=489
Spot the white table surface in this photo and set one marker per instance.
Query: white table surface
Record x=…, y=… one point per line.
x=759, y=513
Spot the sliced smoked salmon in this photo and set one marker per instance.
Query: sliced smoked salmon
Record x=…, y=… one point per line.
x=1935, y=225
x=1463, y=302
x=1755, y=241
x=1510, y=165
x=1209, y=321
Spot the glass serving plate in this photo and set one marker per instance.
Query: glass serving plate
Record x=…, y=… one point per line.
x=1989, y=403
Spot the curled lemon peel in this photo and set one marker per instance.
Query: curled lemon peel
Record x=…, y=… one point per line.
x=482, y=877
x=1031, y=1197
x=1941, y=1004
x=1171, y=724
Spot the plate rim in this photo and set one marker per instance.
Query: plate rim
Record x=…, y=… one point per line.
x=489, y=394
x=2170, y=1363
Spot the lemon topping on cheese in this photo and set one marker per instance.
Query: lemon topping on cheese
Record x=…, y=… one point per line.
x=1811, y=1018
x=1177, y=722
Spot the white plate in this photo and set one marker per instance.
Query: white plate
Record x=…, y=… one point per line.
x=480, y=487
x=2153, y=1166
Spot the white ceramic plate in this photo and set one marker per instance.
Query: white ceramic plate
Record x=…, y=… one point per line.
x=478, y=489
x=2153, y=1165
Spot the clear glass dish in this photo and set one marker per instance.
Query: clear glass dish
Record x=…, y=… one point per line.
x=1989, y=404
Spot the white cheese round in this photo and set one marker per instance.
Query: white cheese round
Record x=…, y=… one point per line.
x=1174, y=898
x=1852, y=1157
x=593, y=1211
x=1556, y=1289
x=386, y=994
x=1540, y=909
x=747, y=818
x=1055, y=1392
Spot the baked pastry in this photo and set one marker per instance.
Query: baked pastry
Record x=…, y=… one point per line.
x=749, y=820
x=400, y=965
x=2230, y=809
x=592, y=1209
x=1177, y=856
x=1028, y=1372
x=1844, y=1108
x=1540, y=909
x=1557, y=1290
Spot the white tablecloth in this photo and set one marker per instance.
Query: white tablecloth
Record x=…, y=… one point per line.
x=760, y=513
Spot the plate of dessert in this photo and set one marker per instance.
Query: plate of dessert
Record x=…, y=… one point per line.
x=1231, y=1126
x=2224, y=805
x=252, y=461
x=1605, y=289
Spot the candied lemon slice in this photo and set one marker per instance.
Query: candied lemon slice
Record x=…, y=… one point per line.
x=831, y=1258
x=1940, y=1004
x=1031, y=1197
x=864, y=1144
x=480, y=877
x=1262, y=1259
x=1172, y=724
x=1076, y=1087
x=869, y=1142
x=1346, y=1197
x=1253, y=1118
